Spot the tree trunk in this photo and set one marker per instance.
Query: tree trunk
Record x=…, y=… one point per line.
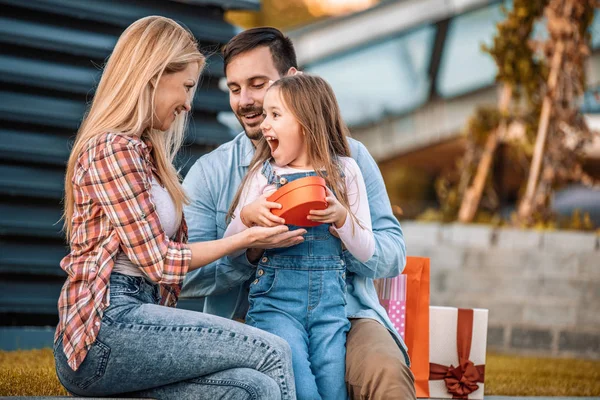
x=472, y=197
x=526, y=206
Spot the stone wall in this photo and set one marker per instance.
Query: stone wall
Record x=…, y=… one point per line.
x=542, y=289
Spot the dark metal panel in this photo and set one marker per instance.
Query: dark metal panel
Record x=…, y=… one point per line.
x=28, y=181
x=49, y=67
x=83, y=80
x=47, y=75
x=67, y=114
x=42, y=110
x=23, y=338
x=39, y=148
x=27, y=146
x=80, y=43
x=206, y=24
x=31, y=297
x=41, y=259
x=56, y=38
x=34, y=220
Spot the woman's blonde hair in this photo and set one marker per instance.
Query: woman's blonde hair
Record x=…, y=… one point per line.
x=124, y=100
x=312, y=102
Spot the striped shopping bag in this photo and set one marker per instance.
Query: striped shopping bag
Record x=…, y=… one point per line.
x=415, y=331
x=392, y=296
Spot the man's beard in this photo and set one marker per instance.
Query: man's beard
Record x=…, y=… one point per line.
x=252, y=132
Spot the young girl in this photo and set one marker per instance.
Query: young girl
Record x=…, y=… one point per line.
x=299, y=292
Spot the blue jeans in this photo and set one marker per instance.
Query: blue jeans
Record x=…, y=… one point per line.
x=299, y=294
x=307, y=309
x=147, y=350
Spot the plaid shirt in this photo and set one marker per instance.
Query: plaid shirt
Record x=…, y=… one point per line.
x=113, y=210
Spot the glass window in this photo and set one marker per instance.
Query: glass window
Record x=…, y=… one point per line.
x=388, y=77
x=464, y=67
x=591, y=101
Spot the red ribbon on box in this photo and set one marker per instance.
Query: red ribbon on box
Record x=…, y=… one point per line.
x=462, y=379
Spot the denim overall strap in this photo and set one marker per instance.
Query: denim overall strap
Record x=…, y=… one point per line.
x=274, y=179
x=267, y=172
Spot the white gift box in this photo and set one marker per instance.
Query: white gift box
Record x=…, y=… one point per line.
x=457, y=345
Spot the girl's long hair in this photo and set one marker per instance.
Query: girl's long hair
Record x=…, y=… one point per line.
x=124, y=100
x=312, y=102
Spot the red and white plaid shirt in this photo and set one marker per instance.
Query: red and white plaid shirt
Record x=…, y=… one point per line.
x=113, y=210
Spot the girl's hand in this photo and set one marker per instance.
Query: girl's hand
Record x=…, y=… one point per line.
x=259, y=213
x=270, y=238
x=334, y=214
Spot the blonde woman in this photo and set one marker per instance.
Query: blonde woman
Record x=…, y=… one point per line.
x=127, y=234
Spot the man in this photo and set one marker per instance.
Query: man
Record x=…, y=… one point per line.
x=376, y=359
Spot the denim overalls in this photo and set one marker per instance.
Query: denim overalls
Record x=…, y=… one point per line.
x=299, y=294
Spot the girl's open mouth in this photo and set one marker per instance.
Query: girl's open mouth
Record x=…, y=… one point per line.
x=272, y=142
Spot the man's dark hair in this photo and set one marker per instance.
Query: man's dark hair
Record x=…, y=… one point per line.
x=281, y=47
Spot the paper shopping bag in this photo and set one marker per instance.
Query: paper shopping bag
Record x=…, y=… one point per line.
x=417, y=320
x=392, y=296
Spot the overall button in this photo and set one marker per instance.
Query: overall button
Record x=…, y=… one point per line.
x=343, y=275
x=264, y=259
x=260, y=272
x=282, y=181
x=255, y=282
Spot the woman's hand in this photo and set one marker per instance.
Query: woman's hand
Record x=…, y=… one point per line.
x=272, y=237
x=335, y=213
x=204, y=253
x=259, y=213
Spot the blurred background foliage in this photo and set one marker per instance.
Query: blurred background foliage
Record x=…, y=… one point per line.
x=427, y=187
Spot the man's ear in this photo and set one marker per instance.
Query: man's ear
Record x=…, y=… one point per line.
x=291, y=71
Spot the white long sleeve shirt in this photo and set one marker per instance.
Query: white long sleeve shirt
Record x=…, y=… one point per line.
x=358, y=239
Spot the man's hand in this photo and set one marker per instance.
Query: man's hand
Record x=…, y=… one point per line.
x=259, y=213
x=335, y=213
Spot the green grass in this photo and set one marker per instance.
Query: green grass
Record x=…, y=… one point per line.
x=530, y=376
x=31, y=373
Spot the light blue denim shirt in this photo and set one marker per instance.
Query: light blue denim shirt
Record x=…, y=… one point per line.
x=211, y=185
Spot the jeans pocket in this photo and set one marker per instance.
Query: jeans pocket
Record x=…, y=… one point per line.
x=264, y=282
x=90, y=371
x=124, y=288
